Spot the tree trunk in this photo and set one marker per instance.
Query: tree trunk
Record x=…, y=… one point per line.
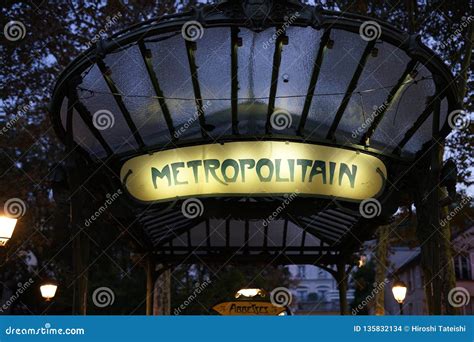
x=449, y=276
x=162, y=294
x=381, y=255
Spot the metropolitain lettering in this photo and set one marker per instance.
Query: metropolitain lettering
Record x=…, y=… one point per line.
x=266, y=170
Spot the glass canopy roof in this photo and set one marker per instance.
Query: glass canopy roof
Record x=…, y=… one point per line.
x=155, y=89
x=295, y=73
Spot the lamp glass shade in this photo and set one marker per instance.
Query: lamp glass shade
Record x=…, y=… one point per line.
x=7, y=226
x=399, y=291
x=48, y=291
x=249, y=293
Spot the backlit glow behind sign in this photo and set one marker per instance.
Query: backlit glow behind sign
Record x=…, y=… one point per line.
x=254, y=168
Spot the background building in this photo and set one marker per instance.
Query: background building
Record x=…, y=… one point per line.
x=315, y=290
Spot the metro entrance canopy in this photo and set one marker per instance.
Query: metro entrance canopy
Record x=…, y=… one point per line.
x=321, y=112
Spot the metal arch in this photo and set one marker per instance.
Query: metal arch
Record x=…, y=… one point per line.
x=388, y=102
x=118, y=99
x=313, y=81
x=281, y=40
x=190, y=50
x=350, y=89
x=147, y=57
x=87, y=118
x=310, y=16
x=234, y=45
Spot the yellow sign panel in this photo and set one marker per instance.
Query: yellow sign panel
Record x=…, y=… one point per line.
x=254, y=168
x=247, y=308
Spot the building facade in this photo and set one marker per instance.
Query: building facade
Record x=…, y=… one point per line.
x=315, y=291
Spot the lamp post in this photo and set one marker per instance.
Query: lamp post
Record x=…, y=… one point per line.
x=48, y=290
x=399, y=290
x=7, y=226
x=250, y=293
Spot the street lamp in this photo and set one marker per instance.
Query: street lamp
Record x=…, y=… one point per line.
x=250, y=293
x=48, y=291
x=7, y=226
x=362, y=261
x=399, y=290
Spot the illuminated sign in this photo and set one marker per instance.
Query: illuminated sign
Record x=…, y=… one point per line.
x=242, y=308
x=254, y=168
